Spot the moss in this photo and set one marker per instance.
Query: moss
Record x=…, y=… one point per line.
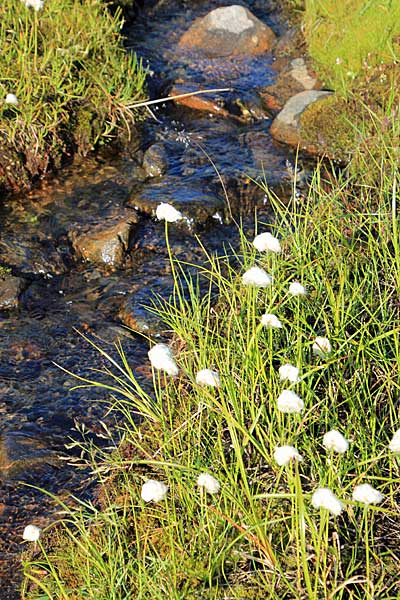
x=327, y=124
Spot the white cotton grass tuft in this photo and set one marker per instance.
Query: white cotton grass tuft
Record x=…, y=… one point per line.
x=208, y=377
x=36, y=4
x=11, y=99
x=289, y=372
x=166, y=212
x=265, y=242
x=283, y=455
x=271, y=321
x=334, y=440
x=289, y=402
x=297, y=289
x=256, y=277
x=394, y=444
x=31, y=533
x=208, y=483
x=366, y=494
x=325, y=498
x=321, y=346
x=153, y=491
x=161, y=358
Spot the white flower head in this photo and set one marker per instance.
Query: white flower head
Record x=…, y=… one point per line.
x=334, y=440
x=284, y=454
x=208, y=483
x=271, y=321
x=267, y=242
x=166, y=212
x=161, y=357
x=296, y=289
x=325, y=498
x=208, y=377
x=11, y=99
x=289, y=402
x=289, y=373
x=153, y=491
x=321, y=346
x=31, y=533
x=256, y=277
x=36, y=4
x=366, y=494
x=394, y=444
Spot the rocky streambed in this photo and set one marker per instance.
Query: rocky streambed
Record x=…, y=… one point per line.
x=84, y=250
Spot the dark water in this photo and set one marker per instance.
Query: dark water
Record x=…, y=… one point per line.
x=39, y=412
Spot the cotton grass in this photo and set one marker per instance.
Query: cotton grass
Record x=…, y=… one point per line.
x=162, y=358
x=325, y=498
x=289, y=402
x=256, y=277
x=271, y=321
x=153, y=491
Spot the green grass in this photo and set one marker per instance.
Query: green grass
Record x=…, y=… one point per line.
x=345, y=38
x=259, y=537
x=74, y=83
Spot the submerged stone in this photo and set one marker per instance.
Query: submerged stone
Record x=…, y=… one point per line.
x=10, y=289
x=155, y=161
x=106, y=243
x=229, y=31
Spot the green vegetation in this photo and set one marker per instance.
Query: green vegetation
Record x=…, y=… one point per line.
x=260, y=536
x=355, y=47
x=345, y=38
x=73, y=81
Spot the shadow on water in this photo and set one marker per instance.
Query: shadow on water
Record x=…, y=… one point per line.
x=39, y=412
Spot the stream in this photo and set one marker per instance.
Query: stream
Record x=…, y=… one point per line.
x=39, y=412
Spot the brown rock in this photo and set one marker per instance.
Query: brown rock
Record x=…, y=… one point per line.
x=295, y=76
x=229, y=31
x=10, y=289
x=286, y=126
x=105, y=243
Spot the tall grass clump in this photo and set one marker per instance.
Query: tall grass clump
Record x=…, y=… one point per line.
x=266, y=464
x=66, y=84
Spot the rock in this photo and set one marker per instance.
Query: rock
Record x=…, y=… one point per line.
x=286, y=127
x=229, y=31
x=155, y=161
x=291, y=42
x=20, y=454
x=106, y=243
x=135, y=316
x=10, y=289
x=196, y=204
x=31, y=253
x=294, y=76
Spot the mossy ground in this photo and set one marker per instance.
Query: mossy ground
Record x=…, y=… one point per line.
x=73, y=80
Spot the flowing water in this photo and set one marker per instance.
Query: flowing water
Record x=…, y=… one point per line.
x=39, y=412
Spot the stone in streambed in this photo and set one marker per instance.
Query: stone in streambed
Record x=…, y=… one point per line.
x=287, y=128
x=229, y=31
x=20, y=454
x=155, y=161
x=10, y=289
x=196, y=204
x=105, y=243
x=294, y=76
